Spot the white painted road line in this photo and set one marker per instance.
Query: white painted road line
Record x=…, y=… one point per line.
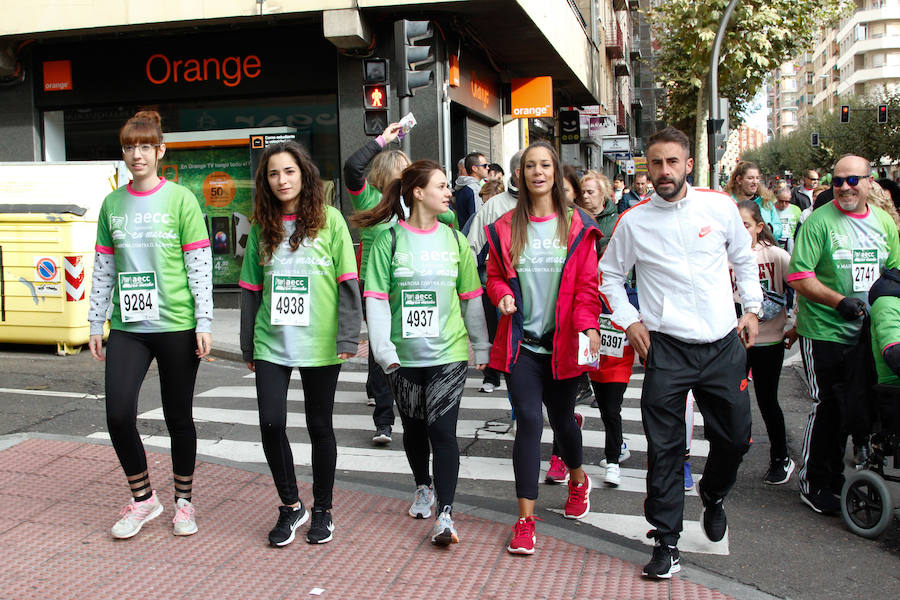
x=52, y=393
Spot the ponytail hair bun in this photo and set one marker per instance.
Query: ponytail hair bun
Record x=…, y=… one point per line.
x=145, y=127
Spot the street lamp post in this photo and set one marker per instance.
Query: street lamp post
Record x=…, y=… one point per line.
x=714, y=94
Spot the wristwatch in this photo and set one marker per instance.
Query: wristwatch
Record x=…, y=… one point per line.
x=759, y=312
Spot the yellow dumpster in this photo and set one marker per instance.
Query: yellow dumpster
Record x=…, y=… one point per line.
x=48, y=226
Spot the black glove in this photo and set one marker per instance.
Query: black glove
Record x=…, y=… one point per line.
x=892, y=358
x=851, y=308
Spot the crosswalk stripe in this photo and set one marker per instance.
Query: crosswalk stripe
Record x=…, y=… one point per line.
x=479, y=402
x=383, y=460
x=466, y=429
x=362, y=376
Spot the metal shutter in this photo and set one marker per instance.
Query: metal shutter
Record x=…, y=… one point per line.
x=478, y=137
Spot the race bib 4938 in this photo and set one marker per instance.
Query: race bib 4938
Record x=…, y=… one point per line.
x=290, y=300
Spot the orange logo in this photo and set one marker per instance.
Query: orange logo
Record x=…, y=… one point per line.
x=57, y=75
x=743, y=384
x=160, y=69
x=532, y=97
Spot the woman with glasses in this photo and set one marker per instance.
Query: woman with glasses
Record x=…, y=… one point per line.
x=153, y=258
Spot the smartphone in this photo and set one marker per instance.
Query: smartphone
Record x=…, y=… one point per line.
x=221, y=238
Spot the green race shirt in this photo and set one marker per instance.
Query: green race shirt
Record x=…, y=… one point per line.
x=424, y=280
x=540, y=270
x=789, y=218
x=297, y=321
x=367, y=199
x=148, y=234
x=885, y=315
x=846, y=253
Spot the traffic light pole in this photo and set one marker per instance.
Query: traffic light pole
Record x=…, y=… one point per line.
x=406, y=142
x=714, y=94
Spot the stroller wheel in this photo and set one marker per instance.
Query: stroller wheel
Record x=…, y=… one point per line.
x=866, y=504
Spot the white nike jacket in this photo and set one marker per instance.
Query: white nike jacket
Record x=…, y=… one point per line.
x=681, y=252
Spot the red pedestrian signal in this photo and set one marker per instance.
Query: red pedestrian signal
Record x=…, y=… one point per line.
x=376, y=96
x=845, y=114
x=882, y=113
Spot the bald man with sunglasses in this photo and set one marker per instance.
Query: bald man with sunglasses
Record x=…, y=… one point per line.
x=839, y=253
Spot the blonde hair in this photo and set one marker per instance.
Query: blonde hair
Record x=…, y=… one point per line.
x=882, y=199
x=384, y=165
x=603, y=186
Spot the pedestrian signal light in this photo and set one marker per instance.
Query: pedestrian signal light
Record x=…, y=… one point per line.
x=376, y=97
x=814, y=140
x=845, y=114
x=882, y=113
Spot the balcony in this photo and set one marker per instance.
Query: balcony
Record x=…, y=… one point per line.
x=620, y=5
x=615, y=44
x=621, y=69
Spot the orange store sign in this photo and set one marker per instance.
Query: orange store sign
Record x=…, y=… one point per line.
x=532, y=97
x=160, y=69
x=57, y=75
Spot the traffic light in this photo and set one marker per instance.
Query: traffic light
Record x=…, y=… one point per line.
x=845, y=114
x=412, y=58
x=718, y=128
x=376, y=95
x=882, y=113
x=814, y=140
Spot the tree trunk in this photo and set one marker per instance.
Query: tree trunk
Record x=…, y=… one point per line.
x=701, y=153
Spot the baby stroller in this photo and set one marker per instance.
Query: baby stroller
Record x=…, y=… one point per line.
x=867, y=505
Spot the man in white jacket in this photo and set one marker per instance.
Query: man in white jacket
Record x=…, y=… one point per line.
x=681, y=241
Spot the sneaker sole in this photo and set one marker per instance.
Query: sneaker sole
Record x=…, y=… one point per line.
x=614, y=483
x=323, y=540
x=381, y=440
x=370, y=403
x=815, y=508
x=300, y=522
x=419, y=515
x=150, y=517
x=667, y=575
x=551, y=481
x=445, y=538
x=786, y=478
x=525, y=551
x=187, y=532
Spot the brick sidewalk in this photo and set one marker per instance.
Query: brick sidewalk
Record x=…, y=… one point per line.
x=63, y=549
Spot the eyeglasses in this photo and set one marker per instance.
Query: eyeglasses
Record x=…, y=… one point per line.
x=142, y=148
x=851, y=180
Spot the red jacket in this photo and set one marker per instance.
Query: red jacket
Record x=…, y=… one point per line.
x=577, y=304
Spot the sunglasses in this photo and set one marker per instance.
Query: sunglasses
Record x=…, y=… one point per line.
x=481, y=165
x=851, y=180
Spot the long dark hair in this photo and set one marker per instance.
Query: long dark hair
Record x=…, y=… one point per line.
x=416, y=175
x=521, y=212
x=765, y=236
x=310, y=215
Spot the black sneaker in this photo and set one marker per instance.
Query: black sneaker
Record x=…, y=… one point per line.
x=321, y=527
x=289, y=519
x=779, y=471
x=665, y=562
x=714, y=523
x=822, y=502
x=382, y=435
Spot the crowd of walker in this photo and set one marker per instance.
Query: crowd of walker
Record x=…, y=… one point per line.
x=555, y=278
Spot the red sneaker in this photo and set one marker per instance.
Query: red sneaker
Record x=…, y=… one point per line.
x=579, y=501
x=523, y=538
x=558, y=472
x=579, y=418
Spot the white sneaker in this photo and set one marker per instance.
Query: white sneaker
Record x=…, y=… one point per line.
x=134, y=515
x=370, y=402
x=624, y=455
x=613, y=478
x=487, y=387
x=184, y=523
x=444, y=531
x=422, y=502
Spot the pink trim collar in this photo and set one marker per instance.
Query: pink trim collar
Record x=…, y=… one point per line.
x=288, y=217
x=541, y=219
x=850, y=214
x=131, y=190
x=412, y=229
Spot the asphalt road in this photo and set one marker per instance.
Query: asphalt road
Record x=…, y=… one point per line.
x=775, y=543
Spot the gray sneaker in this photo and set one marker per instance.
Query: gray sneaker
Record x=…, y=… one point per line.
x=444, y=533
x=422, y=502
x=134, y=515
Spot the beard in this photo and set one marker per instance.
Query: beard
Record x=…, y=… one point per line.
x=677, y=185
x=849, y=203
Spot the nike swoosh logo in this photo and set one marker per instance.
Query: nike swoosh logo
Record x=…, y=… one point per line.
x=705, y=230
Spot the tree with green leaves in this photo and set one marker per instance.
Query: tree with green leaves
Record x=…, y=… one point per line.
x=761, y=35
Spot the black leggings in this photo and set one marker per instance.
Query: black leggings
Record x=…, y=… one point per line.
x=530, y=383
x=609, y=399
x=428, y=402
x=766, y=361
x=128, y=357
x=319, y=383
